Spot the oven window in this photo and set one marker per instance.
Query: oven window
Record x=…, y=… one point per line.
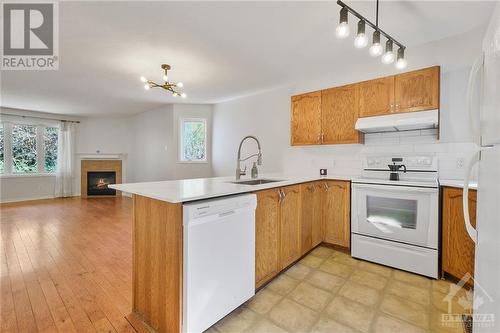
x=391, y=212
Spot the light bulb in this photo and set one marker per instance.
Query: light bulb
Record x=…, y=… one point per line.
x=360, y=41
x=175, y=94
x=143, y=79
x=180, y=84
x=183, y=95
x=165, y=78
x=401, y=62
x=147, y=87
x=342, y=30
x=376, y=48
x=388, y=57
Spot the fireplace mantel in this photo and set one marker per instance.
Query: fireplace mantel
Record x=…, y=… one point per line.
x=102, y=165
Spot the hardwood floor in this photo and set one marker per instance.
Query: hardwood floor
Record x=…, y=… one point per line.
x=66, y=265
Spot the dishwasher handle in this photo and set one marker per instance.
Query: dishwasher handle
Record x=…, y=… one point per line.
x=217, y=216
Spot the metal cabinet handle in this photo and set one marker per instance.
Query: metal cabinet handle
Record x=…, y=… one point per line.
x=326, y=187
x=280, y=196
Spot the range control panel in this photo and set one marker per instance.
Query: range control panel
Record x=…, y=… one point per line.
x=412, y=162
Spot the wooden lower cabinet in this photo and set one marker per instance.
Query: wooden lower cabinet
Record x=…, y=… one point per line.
x=336, y=212
x=311, y=226
x=458, y=248
x=290, y=219
x=267, y=236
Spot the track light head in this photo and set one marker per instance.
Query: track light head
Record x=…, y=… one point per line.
x=361, y=40
x=401, y=61
x=342, y=30
x=376, y=48
x=388, y=56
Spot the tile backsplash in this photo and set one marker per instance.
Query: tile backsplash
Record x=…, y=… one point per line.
x=347, y=159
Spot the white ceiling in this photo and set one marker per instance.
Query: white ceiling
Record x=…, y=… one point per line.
x=218, y=49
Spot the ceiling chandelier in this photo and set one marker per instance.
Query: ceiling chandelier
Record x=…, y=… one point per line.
x=167, y=85
x=361, y=39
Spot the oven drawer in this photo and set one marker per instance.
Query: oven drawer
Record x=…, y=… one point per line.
x=402, y=213
x=411, y=258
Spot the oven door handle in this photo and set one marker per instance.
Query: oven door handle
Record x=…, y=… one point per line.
x=395, y=188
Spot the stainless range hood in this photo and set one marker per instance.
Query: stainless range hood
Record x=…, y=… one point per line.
x=399, y=122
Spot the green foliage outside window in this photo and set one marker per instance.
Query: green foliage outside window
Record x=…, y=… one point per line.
x=194, y=145
x=24, y=149
x=50, y=148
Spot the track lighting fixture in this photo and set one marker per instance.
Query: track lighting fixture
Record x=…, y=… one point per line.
x=342, y=30
x=361, y=39
x=167, y=85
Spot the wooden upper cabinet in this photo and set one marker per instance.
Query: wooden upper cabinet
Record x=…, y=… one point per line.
x=376, y=97
x=339, y=113
x=336, y=212
x=267, y=236
x=458, y=248
x=417, y=90
x=290, y=215
x=306, y=119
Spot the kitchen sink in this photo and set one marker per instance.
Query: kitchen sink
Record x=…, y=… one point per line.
x=256, y=181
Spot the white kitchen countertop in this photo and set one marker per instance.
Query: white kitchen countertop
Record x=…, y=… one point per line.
x=457, y=183
x=175, y=191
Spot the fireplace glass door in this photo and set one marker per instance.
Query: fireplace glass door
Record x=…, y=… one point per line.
x=98, y=181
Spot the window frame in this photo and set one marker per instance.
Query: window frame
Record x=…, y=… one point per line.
x=8, y=171
x=181, y=140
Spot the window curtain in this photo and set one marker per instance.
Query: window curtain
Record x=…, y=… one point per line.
x=65, y=160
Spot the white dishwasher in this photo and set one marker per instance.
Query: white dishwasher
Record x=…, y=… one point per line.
x=218, y=259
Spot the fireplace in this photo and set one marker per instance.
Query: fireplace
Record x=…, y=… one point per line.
x=98, y=181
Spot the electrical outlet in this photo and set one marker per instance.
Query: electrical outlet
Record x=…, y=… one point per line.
x=460, y=163
x=323, y=172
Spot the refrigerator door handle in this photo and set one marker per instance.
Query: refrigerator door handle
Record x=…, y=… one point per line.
x=468, y=226
x=474, y=115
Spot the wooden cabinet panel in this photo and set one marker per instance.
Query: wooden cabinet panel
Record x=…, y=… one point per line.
x=339, y=112
x=336, y=212
x=306, y=119
x=290, y=242
x=311, y=230
x=267, y=236
x=376, y=97
x=417, y=90
x=458, y=248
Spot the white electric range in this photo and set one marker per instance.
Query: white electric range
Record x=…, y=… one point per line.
x=396, y=222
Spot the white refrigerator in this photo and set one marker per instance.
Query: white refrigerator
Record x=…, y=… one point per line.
x=485, y=119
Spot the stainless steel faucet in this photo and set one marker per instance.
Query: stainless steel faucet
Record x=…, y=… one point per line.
x=240, y=172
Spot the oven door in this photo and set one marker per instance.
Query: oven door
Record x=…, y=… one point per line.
x=402, y=213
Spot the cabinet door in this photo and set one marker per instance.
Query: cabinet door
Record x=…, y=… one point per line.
x=311, y=229
x=290, y=243
x=458, y=248
x=316, y=217
x=376, y=97
x=339, y=112
x=336, y=212
x=417, y=90
x=267, y=236
x=306, y=119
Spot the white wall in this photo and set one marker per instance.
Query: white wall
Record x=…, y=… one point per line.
x=267, y=115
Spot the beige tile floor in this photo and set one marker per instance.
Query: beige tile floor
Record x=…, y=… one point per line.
x=328, y=291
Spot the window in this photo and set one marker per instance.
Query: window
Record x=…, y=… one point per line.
x=193, y=137
x=28, y=148
x=50, y=148
x=24, y=152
